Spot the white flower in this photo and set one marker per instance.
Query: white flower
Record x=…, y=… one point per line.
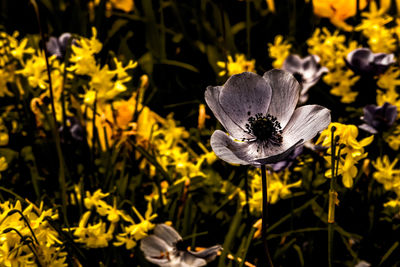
x=307, y=71
x=260, y=115
x=165, y=248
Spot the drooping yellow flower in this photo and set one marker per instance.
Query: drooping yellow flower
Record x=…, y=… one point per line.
x=338, y=11
x=279, y=50
x=239, y=65
x=351, y=153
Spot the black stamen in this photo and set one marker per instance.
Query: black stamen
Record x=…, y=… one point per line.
x=265, y=128
x=180, y=245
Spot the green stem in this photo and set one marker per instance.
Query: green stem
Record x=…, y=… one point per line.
x=56, y=136
x=265, y=215
x=248, y=28
x=332, y=199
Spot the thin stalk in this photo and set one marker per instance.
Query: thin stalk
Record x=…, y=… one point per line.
x=332, y=200
x=248, y=28
x=265, y=215
x=56, y=136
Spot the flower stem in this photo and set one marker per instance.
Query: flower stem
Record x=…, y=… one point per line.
x=264, y=220
x=332, y=200
x=53, y=122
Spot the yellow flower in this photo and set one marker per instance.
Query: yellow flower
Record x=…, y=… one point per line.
x=14, y=252
x=82, y=57
x=6, y=76
x=135, y=232
x=380, y=39
x=124, y=5
x=386, y=174
x=337, y=11
x=93, y=235
x=351, y=153
x=279, y=50
x=3, y=164
x=393, y=203
x=278, y=188
x=239, y=65
x=332, y=50
x=35, y=71
x=393, y=138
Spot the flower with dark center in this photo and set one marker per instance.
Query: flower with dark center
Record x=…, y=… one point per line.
x=307, y=72
x=265, y=128
x=378, y=118
x=260, y=116
x=58, y=46
x=166, y=248
x=363, y=62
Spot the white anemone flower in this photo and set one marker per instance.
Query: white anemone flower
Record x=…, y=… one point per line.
x=260, y=116
x=307, y=71
x=165, y=248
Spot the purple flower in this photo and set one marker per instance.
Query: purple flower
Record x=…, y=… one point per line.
x=260, y=116
x=378, y=119
x=74, y=130
x=288, y=161
x=307, y=71
x=58, y=46
x=362, y=61
x=165, y=248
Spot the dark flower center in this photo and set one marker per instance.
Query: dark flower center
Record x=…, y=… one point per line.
x=265, y=128
x=299, y=77
x=180, y=245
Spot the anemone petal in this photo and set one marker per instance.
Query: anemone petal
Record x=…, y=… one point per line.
x=212, y=95
x=244, y=95
x=285, y=94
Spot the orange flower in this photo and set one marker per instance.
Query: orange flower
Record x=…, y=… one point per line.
x=338, y=11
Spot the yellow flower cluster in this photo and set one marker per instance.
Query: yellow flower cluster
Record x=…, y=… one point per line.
x=388, y=82
x=380, y=38
x=332, y=50
x=239, y=65
x=100, y=233
x=278, y=188
x=279, y=50
x=168, y=143
x=104, y=83
x=12, y=52
x=387, y=175
x=27, y=238
x=351, y=153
